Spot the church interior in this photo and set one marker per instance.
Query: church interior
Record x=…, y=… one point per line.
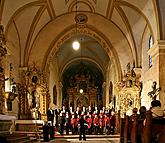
x=117, y=64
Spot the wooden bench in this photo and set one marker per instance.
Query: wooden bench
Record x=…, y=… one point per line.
x=153, y=130
x=136, y=131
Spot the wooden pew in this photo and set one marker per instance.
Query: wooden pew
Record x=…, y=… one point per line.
x=153, y=130
x=136, y=131
x=124, y=129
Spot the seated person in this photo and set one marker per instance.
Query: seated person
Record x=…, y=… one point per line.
x=156, y=109
x=134, y=113
x=142, y=112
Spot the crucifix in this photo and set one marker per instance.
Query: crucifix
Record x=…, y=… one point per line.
x=153, y=94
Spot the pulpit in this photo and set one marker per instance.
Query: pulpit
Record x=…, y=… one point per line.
x=128, y=93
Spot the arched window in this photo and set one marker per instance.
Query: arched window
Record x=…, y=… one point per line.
x=150, y=42
x=150, y=46
x=150, y=61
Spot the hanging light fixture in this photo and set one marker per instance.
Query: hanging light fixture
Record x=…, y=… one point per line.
x=81, y=91
x=76, y=44
x=81, y=72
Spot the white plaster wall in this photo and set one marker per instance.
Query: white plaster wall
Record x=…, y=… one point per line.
x=113, y=77
x=54, y=80
x=148, y=74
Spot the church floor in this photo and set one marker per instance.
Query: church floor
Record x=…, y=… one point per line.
x=89, y=139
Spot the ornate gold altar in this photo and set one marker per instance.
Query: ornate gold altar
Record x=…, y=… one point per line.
x=34, y=96
x=87, y=98
x=128, y=92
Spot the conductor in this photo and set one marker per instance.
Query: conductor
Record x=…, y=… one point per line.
x=82, y=128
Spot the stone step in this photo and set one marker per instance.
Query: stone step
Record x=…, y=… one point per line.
x=16, y=138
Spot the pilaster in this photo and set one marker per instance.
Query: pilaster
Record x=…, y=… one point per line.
x=104, y=92
x=59, y=99
x=158, y=55
x=107, y=89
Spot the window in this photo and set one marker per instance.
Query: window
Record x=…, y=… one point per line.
x=150, y=42
x=150, y=61
x=150, y=46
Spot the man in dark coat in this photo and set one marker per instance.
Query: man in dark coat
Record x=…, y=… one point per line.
x=50, y=117
x=82, y=128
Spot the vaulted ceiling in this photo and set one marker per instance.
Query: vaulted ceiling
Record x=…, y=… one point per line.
x=41, y=30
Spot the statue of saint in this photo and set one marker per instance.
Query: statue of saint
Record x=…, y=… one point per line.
x=29, y=97
x=153, y=94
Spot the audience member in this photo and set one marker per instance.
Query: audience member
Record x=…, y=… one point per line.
x=134, y=113
x=142, y=112
x=156, y=109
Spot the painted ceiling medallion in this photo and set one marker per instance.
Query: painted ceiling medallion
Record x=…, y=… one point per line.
x=81, y=18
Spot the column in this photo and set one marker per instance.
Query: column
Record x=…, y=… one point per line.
x=161, y=47
x=3, y=52
x=104, y=93
x=59, y=99
x=24, y=113
x=107, y=87
x=21, y=95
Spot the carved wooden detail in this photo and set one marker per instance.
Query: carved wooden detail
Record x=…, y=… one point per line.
x=87, y=98
x=128, y=92
x=34, y=97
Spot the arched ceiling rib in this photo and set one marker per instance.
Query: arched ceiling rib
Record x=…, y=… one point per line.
x=32, y=29
x=32, y=18
x=90, y=49
x=130, y=33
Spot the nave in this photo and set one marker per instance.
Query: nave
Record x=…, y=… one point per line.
x=118, y=64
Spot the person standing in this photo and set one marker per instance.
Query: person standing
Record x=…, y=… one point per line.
x=73, y=122
x=46, y=132
x=96, y=123
x=112, y=122
x=67, y=123
x=89, y=121
x=101, y=125
x=82, y=128
x=50, y=117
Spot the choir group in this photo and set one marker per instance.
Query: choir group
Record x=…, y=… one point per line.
x=95, y=121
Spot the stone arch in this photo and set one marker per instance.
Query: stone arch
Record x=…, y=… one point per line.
x=73, y=60
x=89, y=31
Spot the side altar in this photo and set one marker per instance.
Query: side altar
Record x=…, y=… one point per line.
x=33, y=94
x=128, y=92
